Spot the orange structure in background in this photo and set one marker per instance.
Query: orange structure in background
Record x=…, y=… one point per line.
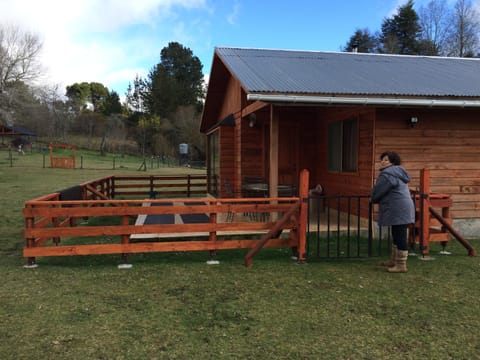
x=432, y=218
x=62, y=161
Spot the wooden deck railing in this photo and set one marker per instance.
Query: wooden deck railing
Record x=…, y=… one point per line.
x=65, y=223
x=147, y=186
x=53, y=227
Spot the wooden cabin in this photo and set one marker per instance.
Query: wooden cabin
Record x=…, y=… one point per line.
x=271, y=113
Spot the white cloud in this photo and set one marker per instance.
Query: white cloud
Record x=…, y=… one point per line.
x=232, y=18
x=97, y=40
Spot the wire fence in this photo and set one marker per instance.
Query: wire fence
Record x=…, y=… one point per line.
x=42, y=157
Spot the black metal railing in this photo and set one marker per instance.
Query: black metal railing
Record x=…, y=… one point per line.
x=342, y=226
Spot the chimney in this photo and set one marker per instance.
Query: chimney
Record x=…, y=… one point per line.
x=355, y=47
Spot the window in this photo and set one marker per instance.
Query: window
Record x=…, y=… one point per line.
x=213, y=162
x=343, y=145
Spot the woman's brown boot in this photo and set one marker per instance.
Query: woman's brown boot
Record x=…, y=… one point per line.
x=400, y=262
x=390, y=262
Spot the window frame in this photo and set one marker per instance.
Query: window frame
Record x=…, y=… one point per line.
x=213, y=161
x=343, y=145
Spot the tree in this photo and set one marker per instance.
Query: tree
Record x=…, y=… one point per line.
x=464, y=38
x=112, y=104
x=187, y=121
x=78, y=94
x=98, y=96
x=176, y=81
x=19, y=52
x=21, y=106
x=436, y=23
x=148, y=127
x=135, y=101
x=90, y=96
x=57, y=119
x=135, y=94
x=401, y=32
x=362, y=41
x=92, y=102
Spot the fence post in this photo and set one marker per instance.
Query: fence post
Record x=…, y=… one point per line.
x=152, y=188
x=302, y=231
x=125, y=240
x=424, y=213
x=29, y=224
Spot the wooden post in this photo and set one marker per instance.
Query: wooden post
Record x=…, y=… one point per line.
x=212, y=236
x=273, y=232
x=424, y=210
x=273, y=154
x=29, y=224
x=460, y=238
x=273, y=158
x=152, y=188
x=126, y=237
x=302, y=231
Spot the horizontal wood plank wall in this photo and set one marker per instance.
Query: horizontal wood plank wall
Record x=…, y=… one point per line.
x=227, y=157
x=232, y=99
x=360, y=182
x=253, y=151
x=298, y=143
x=230, y=137
x=254, y=147
x=310, y=144
x=445, y=141
x=355, y=183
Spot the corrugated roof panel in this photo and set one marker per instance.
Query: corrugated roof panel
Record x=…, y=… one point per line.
x=284, y=71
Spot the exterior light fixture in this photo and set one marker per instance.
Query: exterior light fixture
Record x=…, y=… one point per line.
x=413, y=121
x=252, y=120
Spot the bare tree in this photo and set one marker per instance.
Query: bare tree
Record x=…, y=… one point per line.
x=436, y=22
x=464, y=39
x=59, y=118
x=19, y=52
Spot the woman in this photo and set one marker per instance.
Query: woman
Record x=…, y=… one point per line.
x=396, y=208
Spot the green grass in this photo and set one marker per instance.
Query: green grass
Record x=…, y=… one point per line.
x=174, y=306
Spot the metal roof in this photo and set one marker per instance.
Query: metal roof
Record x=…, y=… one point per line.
x=15, y=130
x=310, y=72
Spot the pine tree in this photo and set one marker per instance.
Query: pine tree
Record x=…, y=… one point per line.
x=362, y=41
x=176, y=81
x=401, y=32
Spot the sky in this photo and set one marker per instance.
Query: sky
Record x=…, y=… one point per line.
x=113, y=41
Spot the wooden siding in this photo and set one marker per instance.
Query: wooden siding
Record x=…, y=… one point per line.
x=232, y=99
x=445, y=141
x=227, y=158
x=254, y=149
x=357, y=183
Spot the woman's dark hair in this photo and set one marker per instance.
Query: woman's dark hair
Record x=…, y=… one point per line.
x=392, y=156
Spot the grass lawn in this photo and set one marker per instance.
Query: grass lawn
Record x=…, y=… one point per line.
x=175, y=306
